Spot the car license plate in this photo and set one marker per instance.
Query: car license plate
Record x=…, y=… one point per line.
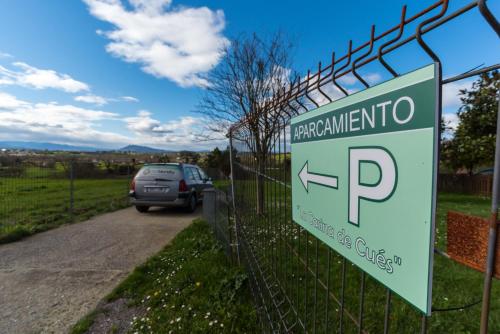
x=156, y=189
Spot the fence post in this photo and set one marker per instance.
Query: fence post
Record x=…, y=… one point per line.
x=129, y=180
x=209, y=211
x=71, y=188
x=231, y=165
x=216, y=229
x=228, y=226
x=492, y=239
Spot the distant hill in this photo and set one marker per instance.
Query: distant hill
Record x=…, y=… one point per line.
x=141, y=149
x=35, y=146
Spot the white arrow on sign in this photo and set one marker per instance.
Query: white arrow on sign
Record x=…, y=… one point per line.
x=323, y=180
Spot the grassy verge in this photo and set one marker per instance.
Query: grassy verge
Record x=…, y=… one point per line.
x=222, y=184
x=189, y=287
x=279, y=240
x=32, y=205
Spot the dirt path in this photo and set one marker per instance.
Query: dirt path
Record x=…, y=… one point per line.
x=50, y=280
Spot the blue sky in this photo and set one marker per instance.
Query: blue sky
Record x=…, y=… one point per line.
x=109, y=73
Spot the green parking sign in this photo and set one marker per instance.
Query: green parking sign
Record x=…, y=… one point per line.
x=364, y=180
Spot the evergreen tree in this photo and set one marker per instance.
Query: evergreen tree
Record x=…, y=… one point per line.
x=473, y=144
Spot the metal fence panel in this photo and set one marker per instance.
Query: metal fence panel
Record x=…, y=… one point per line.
x=40, y=191
x=300, y=285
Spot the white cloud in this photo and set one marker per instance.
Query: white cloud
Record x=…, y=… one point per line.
x=100, y=100
x=335, y=93
x=451, y=91
x=184, y=132
x=92, y=99
x=32, y=77
x=329, y=89
x=9, y=102
x=350, y=79
x=144, y=125
x=52, y=113
x=178, y=43
x=21, y=120
x=129, y=99
x=25, y=75
x=69, y=124
x=5, y=55
x=451, y=120
x=372, y=78
x=150, y=6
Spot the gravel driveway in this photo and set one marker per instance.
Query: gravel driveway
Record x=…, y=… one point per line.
x=49, y=281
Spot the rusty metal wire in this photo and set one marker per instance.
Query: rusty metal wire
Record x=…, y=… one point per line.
x=300, y=90
x=300, y=285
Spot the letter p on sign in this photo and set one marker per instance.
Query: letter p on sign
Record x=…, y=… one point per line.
x=375, y=192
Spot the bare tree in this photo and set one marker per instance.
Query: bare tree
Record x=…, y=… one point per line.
x=240, y=91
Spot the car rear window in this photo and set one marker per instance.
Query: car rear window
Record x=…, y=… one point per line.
x=193, y=174
x=171, y=172
x=202, y=174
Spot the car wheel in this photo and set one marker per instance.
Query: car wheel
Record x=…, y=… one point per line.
x=192, y=204
x=142, y=209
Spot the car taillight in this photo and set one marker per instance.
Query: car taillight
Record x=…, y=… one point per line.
x=183, y=186
x=132, y=185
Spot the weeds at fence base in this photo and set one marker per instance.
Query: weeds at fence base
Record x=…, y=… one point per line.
x=20, y=230
x=12, y=233
x=297, y=269
x=42, y=191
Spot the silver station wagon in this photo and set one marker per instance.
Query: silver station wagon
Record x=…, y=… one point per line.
x=168, y=184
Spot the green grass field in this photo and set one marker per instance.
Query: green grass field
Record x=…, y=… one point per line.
x=189, y=287
x=32, y=204
x=277, y=241
x=37, y=202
